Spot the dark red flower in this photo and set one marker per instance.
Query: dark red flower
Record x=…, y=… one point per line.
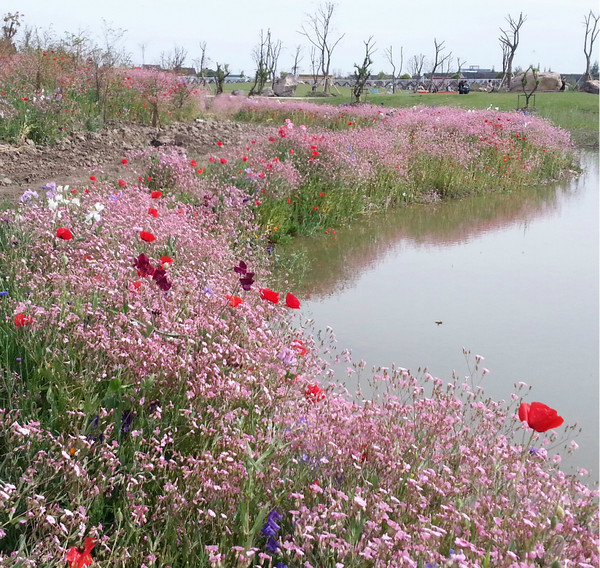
x=21, y=320
x=153, y=212
x=156, y=194
x=292, y=301
x=160, y=277
x=539, y=416
x=64, y=233
x=142, y=263
x=80, y=557
x=148, y=237
x=269, y=295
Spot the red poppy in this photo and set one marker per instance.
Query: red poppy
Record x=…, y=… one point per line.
x=93, y=178
x=314, y=393
x=539, y=416
x=199, y=171
x=153, y=212
x=292, y=301
x=135, y=287
x=219, y=143
x=21, y=320
x=234, y=301
x=291, y=150
x=269, y=295
x=211, y=159
x=244, y=158
x=122, y=183
x=299, y=345
x=148, y=237
x=166, y=260
x=80, y=557
x=193, y=163
x=350, y=123
x=156, y=194
x=223, y=160
x=64, y=233
x=124, y=161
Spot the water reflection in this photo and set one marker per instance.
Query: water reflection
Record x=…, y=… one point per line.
x=332, y=262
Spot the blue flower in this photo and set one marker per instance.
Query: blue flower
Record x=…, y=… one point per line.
x=3, y=293
x=272, y=546
x=281, y=565
x=271, y=527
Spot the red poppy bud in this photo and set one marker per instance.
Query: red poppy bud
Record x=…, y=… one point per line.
x=148, y=237
x=64, y=233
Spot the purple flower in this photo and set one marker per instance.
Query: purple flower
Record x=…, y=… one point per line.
x=272, y=546
x=126, y=420
x=271, y=527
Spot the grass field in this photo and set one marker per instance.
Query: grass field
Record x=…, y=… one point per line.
x=571, y=110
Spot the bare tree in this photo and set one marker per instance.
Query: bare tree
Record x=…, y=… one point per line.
x=314, y=66
x=459, y=65
x=509, y=40
x=362, y=73
x=297, y=60
x=390, y=57
x=10, y=27
x=529, y=87
x=174, y=60
x=438, y=61
x=201, y=63
x=265, y=54
x=591, y=33
x=318, y=32
x=220, y=75
x=416, y=64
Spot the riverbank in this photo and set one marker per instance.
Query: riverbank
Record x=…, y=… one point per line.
x=159, y=407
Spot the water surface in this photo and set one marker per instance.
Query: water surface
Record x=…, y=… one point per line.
x=512, y=277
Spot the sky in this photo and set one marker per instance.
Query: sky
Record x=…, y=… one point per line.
x=551, y=37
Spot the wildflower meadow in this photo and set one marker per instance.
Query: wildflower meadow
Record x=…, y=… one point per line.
x=160, y=407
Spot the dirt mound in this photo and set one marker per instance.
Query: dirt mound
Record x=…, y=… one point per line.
x=74, y=159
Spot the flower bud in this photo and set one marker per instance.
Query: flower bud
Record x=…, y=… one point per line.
x=560, y=512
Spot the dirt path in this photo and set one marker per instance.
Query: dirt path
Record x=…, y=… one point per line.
x=73, y=160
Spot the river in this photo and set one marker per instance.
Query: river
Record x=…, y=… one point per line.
x=511, y=277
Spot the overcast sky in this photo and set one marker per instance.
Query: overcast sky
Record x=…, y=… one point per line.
x=552, y=36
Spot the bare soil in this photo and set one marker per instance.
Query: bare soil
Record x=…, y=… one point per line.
x=74, y=159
